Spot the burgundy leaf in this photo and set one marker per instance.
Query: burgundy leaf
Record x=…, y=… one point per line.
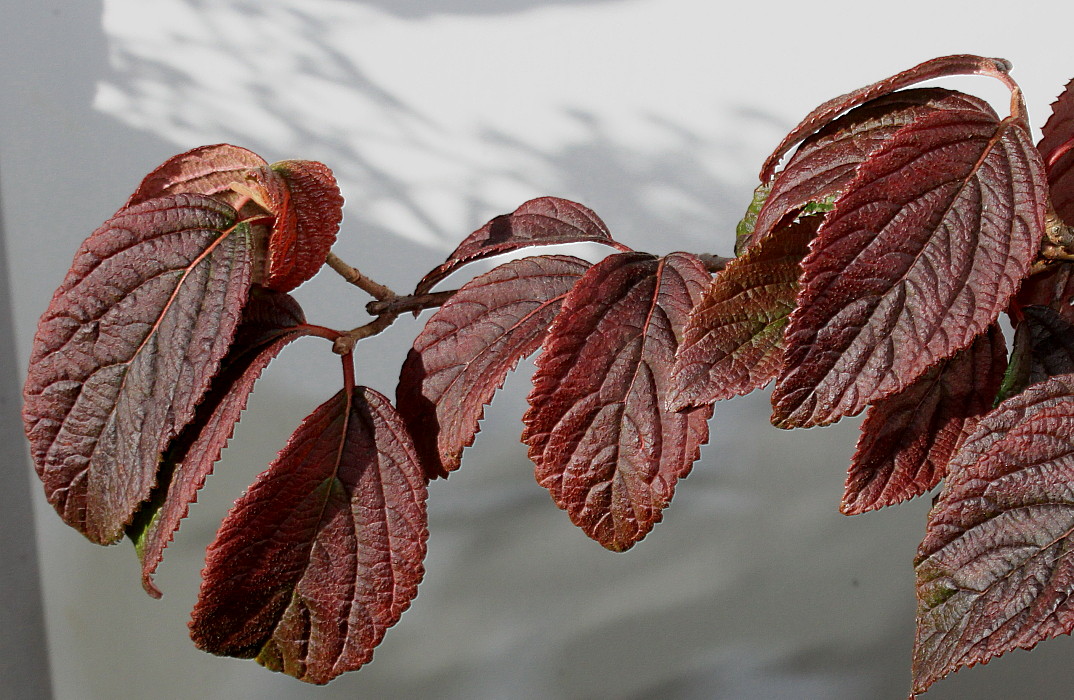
x=1051, y=343
x=126, y=350
x=206, y=170
x=270, y=321
x=304, y=197
x=597, y=430
x=467, y=348
x=543, y=221
x=907, y=439
x=919, y=256
x=1053, y=288
x=936, y=68
x=1055, y=146
x=826, y=162
x=324, y=551
x=733, y=342
x=995, y=571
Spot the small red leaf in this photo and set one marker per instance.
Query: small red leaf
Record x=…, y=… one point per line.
x=467, y=348
x=270, y=321
x=995, y=570
x=733, y=342
x=597, y=430
x=919, y=256
x=543, y=221
x=827, y=161
x=324, y=551
x=206, y=170
x=126, y=350
x=935, y=68
x=1056, y=146
x=907, y=439
x=305, y=199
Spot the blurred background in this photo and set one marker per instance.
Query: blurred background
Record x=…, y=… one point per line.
x=437, y=115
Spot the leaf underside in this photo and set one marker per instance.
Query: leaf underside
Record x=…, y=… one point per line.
x=1057, y=148
x=597, y=430
x=309, y=209
x=270, y=321
x=995, y=571
x=465, y=351
x=907, y=439
x=206, y=170
x=324, y=551
x=962, y=64
x=919, y=256
x=542, y=221
x=733, y=341
x=827, y=161
x=126, y=350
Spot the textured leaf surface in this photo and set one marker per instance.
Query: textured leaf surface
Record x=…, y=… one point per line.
x=733, y=341
x=826, y=162
x=126, y=350
x=919, y=256
x=543, y=221
x=907, y=439
x=1051, y=343
x=599, y=435
x=324, y=551
x=467, y=348
x=962, y=64
x=1056, y=144
x=206, y=170
x=305, y=199
x=995, y=571
x=270, y=321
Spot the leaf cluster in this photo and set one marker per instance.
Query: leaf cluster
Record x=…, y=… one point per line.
x=891, y=230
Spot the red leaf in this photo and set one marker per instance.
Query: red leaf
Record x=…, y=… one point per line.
x=995, y=570
x=324, y=551
x=270, y=321
x=597, y=430
x=1051, y=343
x=466, y=350
x=826, y=162
x=1056, y=146
x=543, y=221
x=1053, y=288
x=308, y=207
x=126, y=350
x=935, y=68
x=907, y=439
x=206, y=170
x=733, y=342
x=919, y=256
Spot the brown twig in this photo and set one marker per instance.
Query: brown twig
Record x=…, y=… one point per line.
x=411, y=302
x=355, y=277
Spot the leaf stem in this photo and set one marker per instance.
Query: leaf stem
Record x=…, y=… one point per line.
x=411, y=302
x=355, y=277
x=1058, y=243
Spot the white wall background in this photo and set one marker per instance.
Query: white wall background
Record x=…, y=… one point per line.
x=437, y=115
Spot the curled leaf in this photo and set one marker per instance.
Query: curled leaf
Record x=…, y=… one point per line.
x=733, y=341
x=962, y=64
x=270, y=321
x=598, y=432
x=995, y=571
x=907, y=439
x=1056, y=145
x=542, y=221
x=127, y=349
x=920, y=255
x=324, y=551
x=206, y=170
x=308, y=208
x=465, y=351
x=827, y=161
